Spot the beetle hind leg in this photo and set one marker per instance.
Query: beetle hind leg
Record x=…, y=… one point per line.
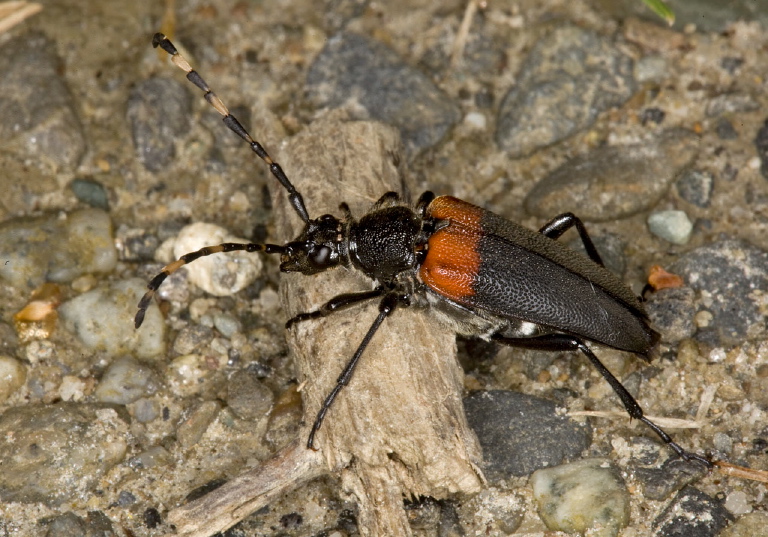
x=564, y=342
x=562, y=223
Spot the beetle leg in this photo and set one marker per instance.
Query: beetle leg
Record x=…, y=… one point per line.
x=386, y=307
x=335, y=304
x=424, y=200
x=562, y=223
x=564, y=342
x=389, y=199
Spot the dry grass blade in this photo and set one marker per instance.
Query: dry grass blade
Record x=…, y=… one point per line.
x=13, y=13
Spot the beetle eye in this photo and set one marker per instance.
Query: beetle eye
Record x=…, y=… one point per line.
x=320, y=256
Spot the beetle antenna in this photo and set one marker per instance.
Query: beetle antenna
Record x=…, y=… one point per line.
x=297, y=202
x=188, y=258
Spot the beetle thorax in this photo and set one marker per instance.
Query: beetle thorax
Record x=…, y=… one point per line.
x=382, y=243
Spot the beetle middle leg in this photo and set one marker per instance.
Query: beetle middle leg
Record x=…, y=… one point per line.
x=562, y=223
x=386, y=307
x=564, y=342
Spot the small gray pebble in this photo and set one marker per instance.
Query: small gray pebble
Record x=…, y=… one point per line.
x=692, y=513
x=672, y=226
x=125, y=381
x=248, y=397
x=520, y=433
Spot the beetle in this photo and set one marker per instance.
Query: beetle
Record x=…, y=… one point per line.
x=484, y=275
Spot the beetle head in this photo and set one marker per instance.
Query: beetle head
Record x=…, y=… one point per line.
x=318, y=248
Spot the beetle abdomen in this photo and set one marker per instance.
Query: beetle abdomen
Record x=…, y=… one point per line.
x=484, y=262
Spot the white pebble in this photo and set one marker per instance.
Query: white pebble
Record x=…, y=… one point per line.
x=72, y=388
x=125, y=381
x=737, y=502
x=103, y=320
x=672, y=226
x=12, y=376
x=221, y=274
x=587, y=495
x=186, y=375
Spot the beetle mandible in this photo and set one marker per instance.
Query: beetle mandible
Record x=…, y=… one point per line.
x=484, y=275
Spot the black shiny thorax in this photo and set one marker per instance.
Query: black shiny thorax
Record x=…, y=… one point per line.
x=385, y=242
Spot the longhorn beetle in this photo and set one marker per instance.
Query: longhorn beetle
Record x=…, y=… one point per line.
x=488, y=276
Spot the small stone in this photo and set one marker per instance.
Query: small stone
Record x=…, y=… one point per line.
x=152, y=518
x=72, y=388
x=66, y=525
x=373, y=82
x=248, y=397
x=737, y=502
x=651, y=69
x=614, y=182
x=652, y=115
x=692, y=513
x=588, y=495
x=38, y=117
x=125, y=499
x=222, y=274
x=145, y=410
x=55, y=249
x=725, y=129
x=520, y=433
x=125, y=381
x=672, y=312
x=56, y=453
x=731, y=64
x=226, y=324
x=191, y=430
x=90, y=192
x=734, y=275
x=103, y=320
x=492, y=512
x=192, y=339
x=569, y=77
x=660, y=483
x=695, y=186
x=672, y=226
x=156, y=455
x=158, y=112
x=13, y=374
x=99, y=525
x=723, y=443
x=731, y=103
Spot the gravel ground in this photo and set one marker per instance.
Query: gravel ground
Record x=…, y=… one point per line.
x=656, y=136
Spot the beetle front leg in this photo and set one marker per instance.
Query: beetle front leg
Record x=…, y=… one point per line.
x=562, y=223
x=335, y=304
x=564, y=342
x=386, y=307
